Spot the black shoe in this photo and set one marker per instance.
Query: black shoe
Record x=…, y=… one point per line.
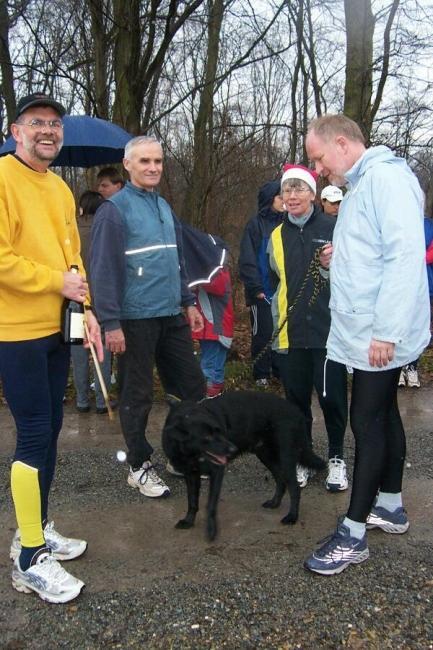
x=83, y=409
x=103, y=409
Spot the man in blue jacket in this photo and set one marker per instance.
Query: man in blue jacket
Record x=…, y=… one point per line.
x=139, y=285
x=254, y=273
x=380, y=321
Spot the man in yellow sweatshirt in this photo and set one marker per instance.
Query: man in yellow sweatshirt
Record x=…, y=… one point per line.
x=39, y=242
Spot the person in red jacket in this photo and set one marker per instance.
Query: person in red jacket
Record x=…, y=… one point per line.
x=214, y=301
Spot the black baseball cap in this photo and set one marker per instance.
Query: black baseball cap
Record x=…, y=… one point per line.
x=38, y=99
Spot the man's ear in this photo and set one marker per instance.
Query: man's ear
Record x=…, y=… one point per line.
x=342, y=142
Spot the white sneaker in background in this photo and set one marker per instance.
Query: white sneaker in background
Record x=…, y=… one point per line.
x=412, y=378
x=402, y=378
x=147, y=481
x=302, y=475
x=336, y=481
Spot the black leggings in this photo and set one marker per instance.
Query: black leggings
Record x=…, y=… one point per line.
x=380, y=441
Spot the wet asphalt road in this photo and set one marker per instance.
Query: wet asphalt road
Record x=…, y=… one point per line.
x=150, y=585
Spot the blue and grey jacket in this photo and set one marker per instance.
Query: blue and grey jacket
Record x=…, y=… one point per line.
x=136, y=263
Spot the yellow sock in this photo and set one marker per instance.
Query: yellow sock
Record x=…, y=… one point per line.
x=26, y=494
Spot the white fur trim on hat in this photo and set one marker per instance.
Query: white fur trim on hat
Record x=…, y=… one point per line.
x=300, y=174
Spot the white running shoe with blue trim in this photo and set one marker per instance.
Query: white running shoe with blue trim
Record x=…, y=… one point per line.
x=62, y=548
x=47, y=578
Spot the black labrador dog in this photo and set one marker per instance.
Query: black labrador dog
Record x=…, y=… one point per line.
x=201, y=438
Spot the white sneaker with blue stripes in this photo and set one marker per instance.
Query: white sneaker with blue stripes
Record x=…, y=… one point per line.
x=61, y=547
x=47, y=578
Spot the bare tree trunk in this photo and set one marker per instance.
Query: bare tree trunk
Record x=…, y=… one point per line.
x=198, y=191
x=385, y=60
x=297, y=15
x=126, y=60
x=7, y=84
x=100, y=46
x=359, y=62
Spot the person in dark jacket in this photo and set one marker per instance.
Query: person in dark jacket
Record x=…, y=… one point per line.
x=139, y=283
x=301, y=342
x=88, y=203
x=254, y=273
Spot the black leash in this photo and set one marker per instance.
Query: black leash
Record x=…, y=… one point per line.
x=319, y=283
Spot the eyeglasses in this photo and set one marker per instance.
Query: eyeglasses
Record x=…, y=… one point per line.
x=40, y=124
x=297, y=191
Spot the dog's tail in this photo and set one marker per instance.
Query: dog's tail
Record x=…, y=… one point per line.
x=309, y=459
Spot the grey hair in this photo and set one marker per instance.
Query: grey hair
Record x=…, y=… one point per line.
x=140, y=139
x=295, y=182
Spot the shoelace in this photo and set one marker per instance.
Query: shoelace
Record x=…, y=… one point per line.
x=49, y=529
x=329, y=541
x=52, y=568
x=150, y=472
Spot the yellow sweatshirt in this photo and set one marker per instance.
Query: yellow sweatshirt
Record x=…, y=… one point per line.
x=38, y=241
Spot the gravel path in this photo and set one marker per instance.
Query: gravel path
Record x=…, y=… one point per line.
x=155, y=587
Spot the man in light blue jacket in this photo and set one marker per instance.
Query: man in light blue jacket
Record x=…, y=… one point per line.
x=380, y=317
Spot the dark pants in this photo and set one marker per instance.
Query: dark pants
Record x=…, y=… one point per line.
x=302, y=369
x=261, y=333
x=380, y=441
x=167, y=343
x=34, y=376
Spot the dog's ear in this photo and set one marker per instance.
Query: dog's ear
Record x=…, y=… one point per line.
x=206, y=420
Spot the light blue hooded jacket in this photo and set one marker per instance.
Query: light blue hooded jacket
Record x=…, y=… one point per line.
x=378, y=272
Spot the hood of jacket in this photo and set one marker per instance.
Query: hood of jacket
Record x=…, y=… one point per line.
x=266, y=195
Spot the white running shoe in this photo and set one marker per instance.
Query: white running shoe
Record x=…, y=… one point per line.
x=412, y=378
x=336, y=481
x=47, y=578
x=62, y=548
x=302, y=475
x=147, y=481
x=402, y=378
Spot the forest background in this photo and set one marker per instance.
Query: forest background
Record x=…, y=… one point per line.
x=228, y=86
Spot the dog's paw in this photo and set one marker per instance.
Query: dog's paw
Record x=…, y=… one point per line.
x=271, y=503
x=211, y=530
x=289, y=519
x=184, y=523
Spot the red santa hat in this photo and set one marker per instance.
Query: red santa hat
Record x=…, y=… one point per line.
x=301, y=173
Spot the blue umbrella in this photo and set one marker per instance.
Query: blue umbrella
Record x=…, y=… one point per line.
x=88, y=141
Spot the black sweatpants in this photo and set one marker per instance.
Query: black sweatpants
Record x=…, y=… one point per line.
x=302, y=369
x=261, y=332
x=165, y=342
x=380, y=440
